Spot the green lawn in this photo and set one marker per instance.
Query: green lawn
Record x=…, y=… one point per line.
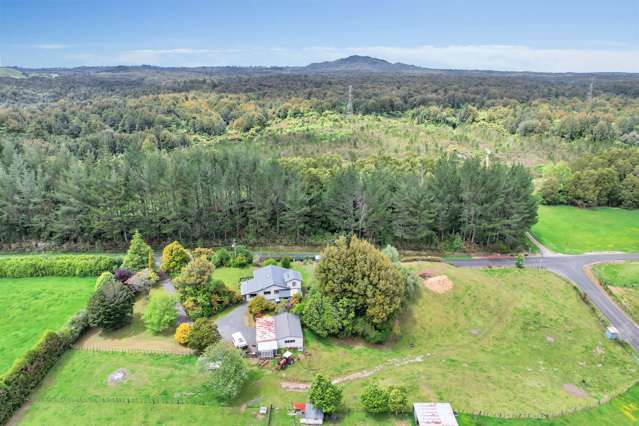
x=623, y=410
x=622, y=280
x=502, y=341
x=32, y=305
x=231, y=276
x=572, y=230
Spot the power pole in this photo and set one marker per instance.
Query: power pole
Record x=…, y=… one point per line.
x=349, y=106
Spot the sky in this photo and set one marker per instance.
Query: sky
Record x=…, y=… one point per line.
x=516, y=35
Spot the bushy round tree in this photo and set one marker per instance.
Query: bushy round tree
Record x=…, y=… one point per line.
x=137, y=257
x=375, y=399
x=325, y=395
x=355, y=270
x=174, y=258
x=111, y=307
x=195, y=276
x=285, y=262
x=226, y=370
x=203, y=334
x=182, y=333
x=160, y=313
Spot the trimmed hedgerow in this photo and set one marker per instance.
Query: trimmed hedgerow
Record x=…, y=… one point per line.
x=60, y=266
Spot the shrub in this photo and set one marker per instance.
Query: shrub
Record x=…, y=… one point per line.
x=325, y=395
x=182, y=333
x=174, y=258
x=141, y=282
x=226, y=370
x=375, y=399
x=222, y=258
x=111, y=307
x=61, y=266
x=160, y=313
x=206, y=252
x=204, y=333
x=285, y=262
x=245, y=253
x=194, y=276
x=103, y=278
x=398, y=400
x=259, y=305
x=239, y=261
x=76, y=325
x=319, y=315
x=269, y=261
x=137, y=257
x=392, y=253
x=519, y=261
x=122, y=274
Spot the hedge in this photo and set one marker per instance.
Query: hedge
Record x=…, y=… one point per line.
x=59, y=266
x=29, y=370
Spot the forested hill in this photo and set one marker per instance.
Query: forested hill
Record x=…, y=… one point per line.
x=426, y=159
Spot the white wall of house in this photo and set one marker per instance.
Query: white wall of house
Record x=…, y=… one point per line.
x=269, y=293
x=291, y=343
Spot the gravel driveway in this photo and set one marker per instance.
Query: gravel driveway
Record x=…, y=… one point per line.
x=236, y=321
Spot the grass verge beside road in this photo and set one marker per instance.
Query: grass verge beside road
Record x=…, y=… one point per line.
x=571, y=230
x=622, y=281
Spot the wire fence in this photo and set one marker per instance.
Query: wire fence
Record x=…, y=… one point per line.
x=115, y=349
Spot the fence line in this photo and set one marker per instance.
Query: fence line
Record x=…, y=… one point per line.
x=114, y=349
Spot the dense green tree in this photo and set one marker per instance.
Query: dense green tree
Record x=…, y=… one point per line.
x=375, y=399
x=174, y=258
x=225, y=369
x=203, y=334
x=325, y=395
x=137, y=257
x=160, y=313
x=111, y=307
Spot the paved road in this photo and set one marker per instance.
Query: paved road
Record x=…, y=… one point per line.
x=572, y=268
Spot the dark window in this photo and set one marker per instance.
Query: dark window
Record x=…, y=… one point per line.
x=267, y=292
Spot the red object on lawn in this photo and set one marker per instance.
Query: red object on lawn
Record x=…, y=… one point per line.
x=299, y=406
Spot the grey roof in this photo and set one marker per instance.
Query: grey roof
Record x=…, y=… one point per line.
x=287, y=325
x=311, y=412
x=268, y=276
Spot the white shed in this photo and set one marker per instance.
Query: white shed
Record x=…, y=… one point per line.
x=434, y=414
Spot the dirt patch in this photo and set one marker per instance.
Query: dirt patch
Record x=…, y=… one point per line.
x=550, y=339
x=440, y=284
x=120, y=375
x=398, y=362
x=475, y=331
x=295, y=386
x=575, y=391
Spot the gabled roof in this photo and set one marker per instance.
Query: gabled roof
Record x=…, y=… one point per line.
x=269, y=276
x=287, y=325
x=312, y=412
x=264, y=329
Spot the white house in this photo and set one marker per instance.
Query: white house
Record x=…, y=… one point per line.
x=277, y=332
x=273, y=283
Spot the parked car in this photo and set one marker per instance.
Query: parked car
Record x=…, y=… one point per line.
x=239, y=341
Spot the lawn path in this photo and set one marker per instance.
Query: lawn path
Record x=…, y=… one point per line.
x=167, y=285
x=545, y=251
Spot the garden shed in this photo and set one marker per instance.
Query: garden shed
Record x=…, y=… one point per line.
x=434, y=414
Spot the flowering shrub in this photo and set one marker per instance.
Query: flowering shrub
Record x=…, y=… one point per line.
x=182, y=333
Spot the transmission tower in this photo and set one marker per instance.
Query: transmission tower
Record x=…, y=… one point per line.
x=349, y=106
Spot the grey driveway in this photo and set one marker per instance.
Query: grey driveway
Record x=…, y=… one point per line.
x=572, y=268
x=235, y=321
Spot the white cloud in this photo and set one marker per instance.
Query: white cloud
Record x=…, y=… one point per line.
x=486, y=57
x=49, y=46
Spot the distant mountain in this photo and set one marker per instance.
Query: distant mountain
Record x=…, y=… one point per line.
x=367, y=64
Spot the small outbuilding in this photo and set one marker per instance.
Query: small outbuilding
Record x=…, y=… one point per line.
x=312, y=415
x=434, y=414
x=282, y=331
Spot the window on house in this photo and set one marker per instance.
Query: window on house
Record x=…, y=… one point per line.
x=276, y=292
x=267, y=292
x=289, y=341
x=252, y=294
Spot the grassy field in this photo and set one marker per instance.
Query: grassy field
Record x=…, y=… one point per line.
x=623, y=410
x=622, y=280
x=32, y=305
x=506, y=342
x=572, y=230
